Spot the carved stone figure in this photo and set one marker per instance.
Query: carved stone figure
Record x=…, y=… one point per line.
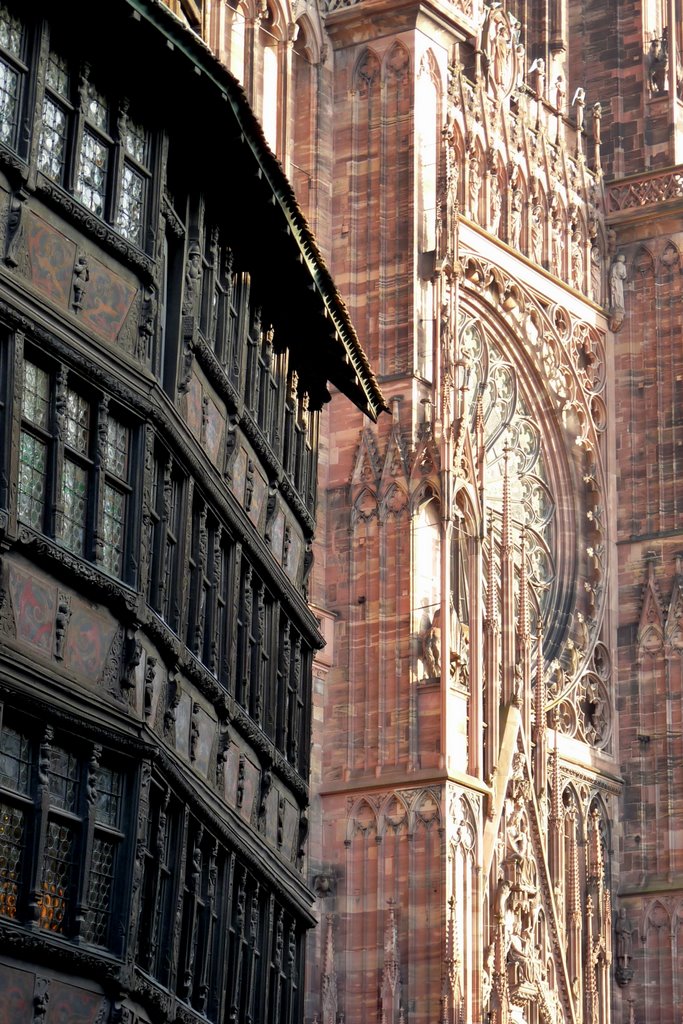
x=537, y=233
x=500, y=54
x=624, y=936
x=474, y=188
x=431, y=645
x=517, y=206
x=617, y=276
x=657, y=67
x=193, y=274
x=577, y=258
x=81, y=276
x=496, y=204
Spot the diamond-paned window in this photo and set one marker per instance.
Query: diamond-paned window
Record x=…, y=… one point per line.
x=11, y=33
x=108, y=804
x=32, y=480
x=77, y=421
x=53, y=140
x=36, y=395
x=113, y=527
x=96, y=107
x=57, y=76
x=58, y=865
x=9, y=102
x=100, y=885
x=64, y=776
x=131, y=204
x=135, y=141
x=15, y=761
x=11, y=849
x=12, y=71
x=91, y=183
x=117, y=447
x=75, y=496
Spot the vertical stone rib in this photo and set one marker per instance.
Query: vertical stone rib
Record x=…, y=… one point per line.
x=492, y=661
x=507, y=587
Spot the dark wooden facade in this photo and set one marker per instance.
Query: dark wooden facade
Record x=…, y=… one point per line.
x=167, y=331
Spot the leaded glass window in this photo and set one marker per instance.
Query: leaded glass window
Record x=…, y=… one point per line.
x=100, y=886
x=34, y=446
x=53, y=138
x=77, y=421
x=15, y=761
x=116, y=491
x=76, y=482
x=58, y=866
x=78, y=831
x=57, y=76
x=91, y=183
x=32, y=480
x=12, y=75
x=11, y=849
x=36, y=395
x=56, y=119
x=131, y=204
x=64, y=490
x=64, y=780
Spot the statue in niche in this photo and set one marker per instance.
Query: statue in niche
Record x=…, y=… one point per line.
x=519, y=858
x=537, y=233
x=658, y=66
x=500, y=50
x=517, y=206
x=617, y=276
x=496, y=204
x=577, y=258
x=596, y=272
x=624, y=936
x=595, y=714
x=475, y=186
x=431, y=644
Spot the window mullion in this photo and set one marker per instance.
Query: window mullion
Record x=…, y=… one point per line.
x=36, y=109
x=96, y=512
x=88, y=803
x=35, y=883
x=117, y=161
x=193, y=892
x=55, y=483
x=14, y=426
x=71, y=170
x=179, y=871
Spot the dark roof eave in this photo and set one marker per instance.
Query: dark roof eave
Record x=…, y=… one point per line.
x=190, y=44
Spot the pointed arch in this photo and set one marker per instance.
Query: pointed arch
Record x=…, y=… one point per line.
x=658, y=964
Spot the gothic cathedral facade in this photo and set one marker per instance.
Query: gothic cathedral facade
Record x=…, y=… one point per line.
x=496, y=767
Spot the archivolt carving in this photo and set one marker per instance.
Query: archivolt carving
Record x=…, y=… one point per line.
x=570, y=357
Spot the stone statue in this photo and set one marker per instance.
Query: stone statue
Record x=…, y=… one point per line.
x=517, y=205
x=577, y=258
x=617, y=276
x=623, y=931
x=496, y=204
x=657, y=66
x=537, y=233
